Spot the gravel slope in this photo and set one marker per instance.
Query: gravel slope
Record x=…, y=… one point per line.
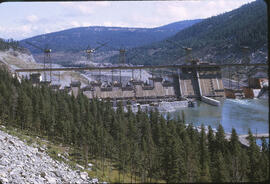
x=20, y=163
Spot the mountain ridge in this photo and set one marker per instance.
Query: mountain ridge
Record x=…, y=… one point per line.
x=68, y=45
x=215, y=39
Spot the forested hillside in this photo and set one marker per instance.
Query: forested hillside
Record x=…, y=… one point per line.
x=69, y=45
x=216, y=39
x=148, y=146
x=10, y=44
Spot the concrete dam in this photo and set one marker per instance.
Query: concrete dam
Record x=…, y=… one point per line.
x=186, y=83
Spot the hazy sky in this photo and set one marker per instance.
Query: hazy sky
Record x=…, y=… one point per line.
x=20, y=20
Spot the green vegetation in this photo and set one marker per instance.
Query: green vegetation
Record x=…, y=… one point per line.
x=141, y=147
x=10, y=44
x=216, y=39
x=77, y=39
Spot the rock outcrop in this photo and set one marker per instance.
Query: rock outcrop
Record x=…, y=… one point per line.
x=20, y=163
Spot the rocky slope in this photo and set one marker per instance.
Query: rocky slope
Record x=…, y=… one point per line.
x=14, y=59
x=20, y=163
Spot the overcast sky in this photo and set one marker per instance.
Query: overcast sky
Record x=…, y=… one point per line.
x=19, y=20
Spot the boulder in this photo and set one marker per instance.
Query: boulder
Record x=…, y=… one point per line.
x=50, y=180
x=84, y=175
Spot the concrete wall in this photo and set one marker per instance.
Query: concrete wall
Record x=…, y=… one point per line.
x=169, y=91
x=138, y=91
x=211, y=83
x=193, y=83
x=206, y=87
x=128, y=94
x=210, y=101
x=157, y=91
x=187, y=87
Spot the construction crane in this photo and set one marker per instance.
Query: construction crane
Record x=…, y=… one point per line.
x=47, y=57
x=187, y=49
x=122, y=54
x=122, y=59
x=247, y=70
x=90, y=50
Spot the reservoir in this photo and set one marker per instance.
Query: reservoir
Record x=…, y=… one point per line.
x=232, y=113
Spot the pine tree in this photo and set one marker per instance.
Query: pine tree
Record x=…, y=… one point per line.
x=204, y=157
x=211, y=141
x=264, y=160
x=191, y=159
x=234, y=147
x=221, y=142
x=253, y=154
x=221, y=173
x=24, y=110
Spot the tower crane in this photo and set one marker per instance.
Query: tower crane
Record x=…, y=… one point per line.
x=90, y=50
x=187, y=49
x=47, y=57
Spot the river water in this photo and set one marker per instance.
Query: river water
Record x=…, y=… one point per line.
x=240, y=114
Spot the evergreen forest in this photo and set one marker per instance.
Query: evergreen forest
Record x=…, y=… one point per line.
x=144, y=144
x=215, y=39
x=10, y=44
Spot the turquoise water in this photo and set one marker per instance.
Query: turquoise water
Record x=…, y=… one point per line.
x=240, y=114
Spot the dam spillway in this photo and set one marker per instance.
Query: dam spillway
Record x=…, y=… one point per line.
x=135, y=90
x=185, y=83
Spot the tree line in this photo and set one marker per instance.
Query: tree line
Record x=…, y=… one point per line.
x=148, y=146
x=10, y=44
x=219, y=37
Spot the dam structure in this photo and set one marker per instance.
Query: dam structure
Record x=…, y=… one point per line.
x=136, y=90
x=196, y=80
x=202, y=83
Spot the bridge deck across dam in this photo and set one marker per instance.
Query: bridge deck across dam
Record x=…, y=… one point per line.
x=138, y=67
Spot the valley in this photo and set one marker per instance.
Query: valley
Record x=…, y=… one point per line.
x=91, y=99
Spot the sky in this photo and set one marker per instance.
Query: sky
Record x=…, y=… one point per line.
x=19, y=20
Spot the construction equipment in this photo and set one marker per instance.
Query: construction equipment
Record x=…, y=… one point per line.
x=47, y=57
x=122, y=54
x=90, y=50
x=187, y=49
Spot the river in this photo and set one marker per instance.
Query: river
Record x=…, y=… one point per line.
x=240, y=114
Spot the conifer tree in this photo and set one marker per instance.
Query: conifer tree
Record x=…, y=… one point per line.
x=264, y=160
x=234, y=147
x=204, y=157
x=221, y=173
x=253, y=154
x=221, y=142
